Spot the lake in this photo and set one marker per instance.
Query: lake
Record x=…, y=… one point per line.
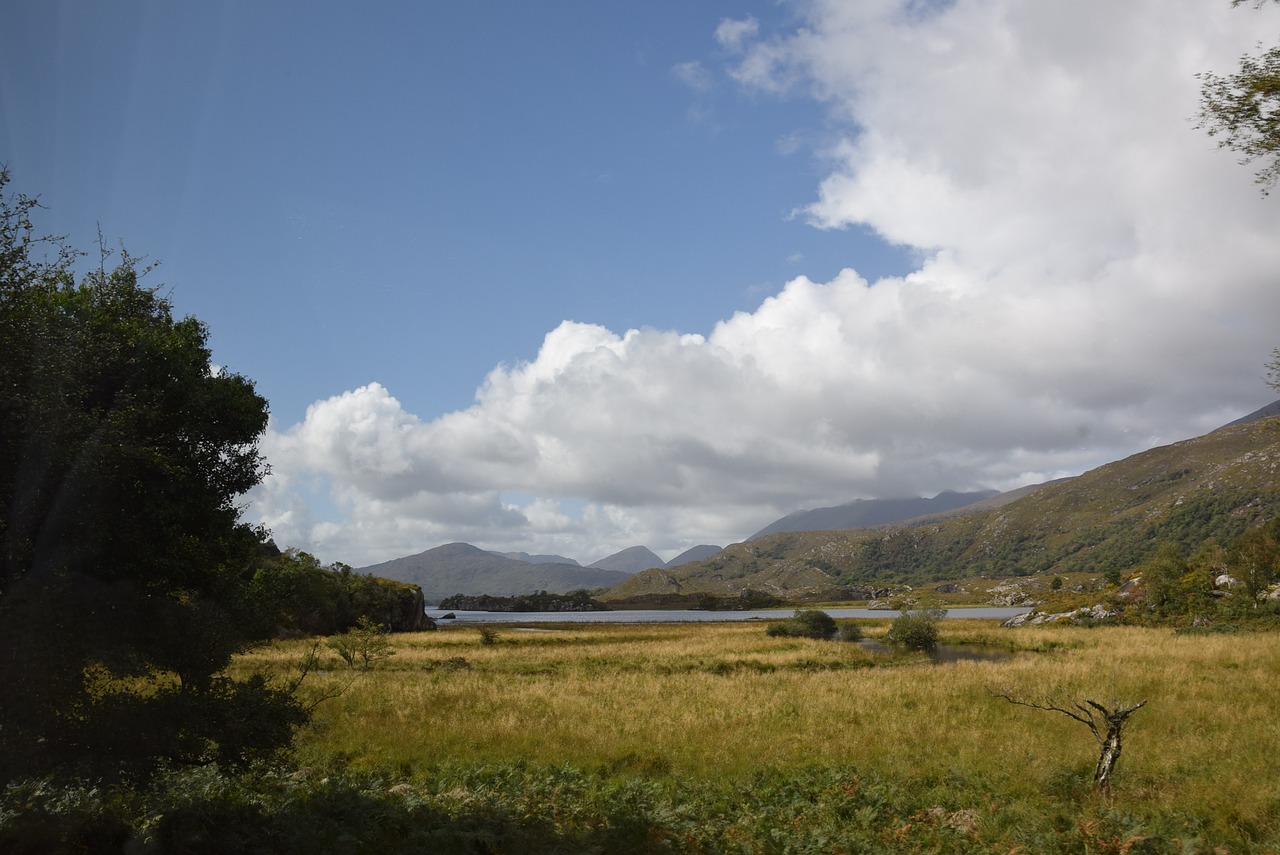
x=696, y=616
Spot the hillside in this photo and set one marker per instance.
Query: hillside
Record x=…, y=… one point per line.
x=694, y=553
x=862, y=513
x=1113, y=516
x=459, y=568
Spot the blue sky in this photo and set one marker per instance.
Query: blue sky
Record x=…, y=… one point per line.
x=414, y=192
x=569, y=277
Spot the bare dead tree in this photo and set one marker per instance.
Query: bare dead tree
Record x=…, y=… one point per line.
x=1105, y=723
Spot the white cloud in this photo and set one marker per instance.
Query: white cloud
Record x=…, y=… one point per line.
x=1097, y=278
x=731, y=34
x=694, y=75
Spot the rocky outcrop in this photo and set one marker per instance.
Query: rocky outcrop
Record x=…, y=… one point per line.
x=1082, y=615
x=408, y=609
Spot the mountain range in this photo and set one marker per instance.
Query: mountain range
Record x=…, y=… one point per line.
x=460, y=568
x=1214, y=486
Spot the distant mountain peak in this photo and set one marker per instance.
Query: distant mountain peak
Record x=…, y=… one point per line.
x=630, y=560
x=460, y=568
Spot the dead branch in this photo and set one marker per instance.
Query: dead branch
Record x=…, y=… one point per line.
x=1105, y=723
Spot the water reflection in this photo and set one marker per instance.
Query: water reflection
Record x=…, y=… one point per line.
x=943, y=654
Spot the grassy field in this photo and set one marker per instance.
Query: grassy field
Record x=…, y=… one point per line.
x=723, y=702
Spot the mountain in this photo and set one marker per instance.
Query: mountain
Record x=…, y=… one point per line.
x=631, y=560
x=862, y=513
x=696, y=553
x=536, y=559
x=460, y=568
x=1272, y=409
x=1214, y=486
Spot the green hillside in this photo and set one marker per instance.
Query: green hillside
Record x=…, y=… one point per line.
x=1214, y=486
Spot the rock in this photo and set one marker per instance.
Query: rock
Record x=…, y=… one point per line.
x=1225, y=581
x=1084, y=614
x=950, y=588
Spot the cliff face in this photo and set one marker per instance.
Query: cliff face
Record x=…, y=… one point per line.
x=399, y=605
x=410, y=611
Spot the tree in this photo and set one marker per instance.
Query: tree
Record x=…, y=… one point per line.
x=363, y=645
x=123, y=561
x=1254, y=559
x=1105, y=723
x=1243, y=109
x=1161, y=580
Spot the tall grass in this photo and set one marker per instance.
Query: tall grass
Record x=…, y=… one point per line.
x=718, y=738
x=712, y=701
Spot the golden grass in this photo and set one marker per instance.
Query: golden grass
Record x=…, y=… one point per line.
x=725, y=699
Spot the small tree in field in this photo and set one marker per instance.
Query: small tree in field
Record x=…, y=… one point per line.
x=362, y=646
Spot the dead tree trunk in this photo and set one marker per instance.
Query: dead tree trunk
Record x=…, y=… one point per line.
x=1106, y=725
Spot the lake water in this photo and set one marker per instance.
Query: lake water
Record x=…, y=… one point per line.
x=694, y=616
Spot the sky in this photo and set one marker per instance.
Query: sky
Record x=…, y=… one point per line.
x=568, y=277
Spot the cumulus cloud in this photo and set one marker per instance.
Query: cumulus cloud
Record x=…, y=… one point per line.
x=1096, y=278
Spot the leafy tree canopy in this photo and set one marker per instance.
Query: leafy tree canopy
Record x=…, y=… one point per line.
x=123, y=561
x=1243, y=110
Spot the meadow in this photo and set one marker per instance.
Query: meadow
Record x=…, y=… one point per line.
x=705, y=718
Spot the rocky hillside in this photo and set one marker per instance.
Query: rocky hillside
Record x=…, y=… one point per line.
x=1213, y=486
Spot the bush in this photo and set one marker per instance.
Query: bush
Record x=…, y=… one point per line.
x=917, y=629
x=805, y=623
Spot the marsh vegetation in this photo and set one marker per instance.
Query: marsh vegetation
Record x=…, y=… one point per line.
x=719, y=737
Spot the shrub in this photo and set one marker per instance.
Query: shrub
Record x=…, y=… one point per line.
x=917, y=629
x=805, y=623
x=488, y=635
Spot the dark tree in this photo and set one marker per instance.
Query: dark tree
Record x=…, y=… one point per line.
x=123, y=561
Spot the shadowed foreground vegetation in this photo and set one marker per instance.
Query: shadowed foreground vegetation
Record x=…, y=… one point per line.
x=717, y=738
